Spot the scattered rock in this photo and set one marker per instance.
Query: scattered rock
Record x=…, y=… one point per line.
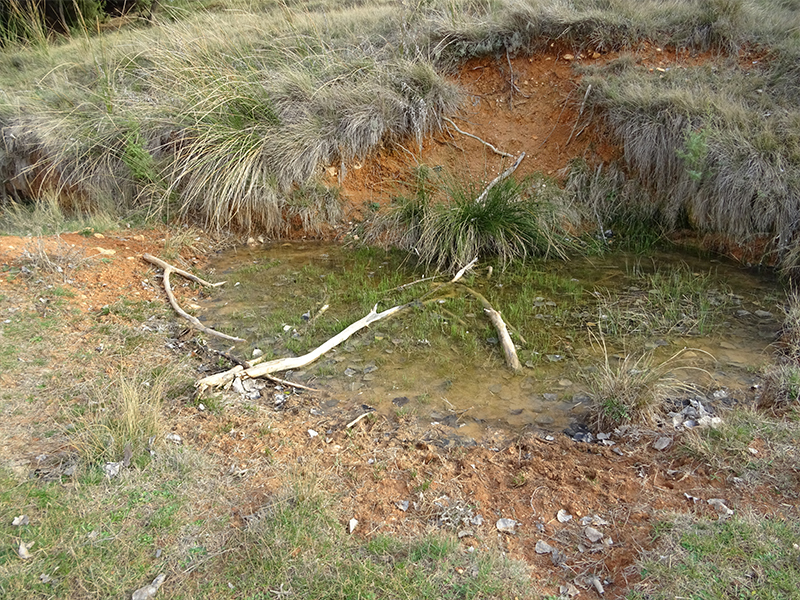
x=22, y=551
x=20, y=521
x=763, y=314
x=402, y=505
x=111, y=469
x=544, y=420
x=312, y=434
x=350, y=371
x=477, y=520
x=370, y=368
x=257, y=352
x=593, y=534
x=719, y=505
x=465, y=533
x=543, y=547
x=149, y=591
x=662, y=443
x=506, y=525
x=352, y=525
x=568, y=592
x=563, y=516
x=174, y=438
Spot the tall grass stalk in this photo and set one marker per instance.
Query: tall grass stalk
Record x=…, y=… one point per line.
x=123, y=412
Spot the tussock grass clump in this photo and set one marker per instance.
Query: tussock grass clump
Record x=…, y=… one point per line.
x=631, y=390
x=125, y=411
x=714, y=147
x=781, y=389
x=229, y=117
x=448, y=226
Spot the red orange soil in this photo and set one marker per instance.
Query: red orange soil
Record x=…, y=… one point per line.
x=381, y=462
x=540, y=115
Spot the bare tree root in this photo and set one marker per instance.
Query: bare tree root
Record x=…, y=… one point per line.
x=475, y=137
x=169, y=269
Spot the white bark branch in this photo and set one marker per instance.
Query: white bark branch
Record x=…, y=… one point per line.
x=285, y=364
x=195, y=322
x=482, y=198
x=475, y=137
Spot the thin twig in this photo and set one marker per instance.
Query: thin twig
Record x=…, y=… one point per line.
x=355, y=421
x=511, y=91
x=563, y=108
x=299, y=386
x=408, y=285
x=475, y=137
x=580, y=114
x=168, y=269
x=158, y=262
x=480, y=199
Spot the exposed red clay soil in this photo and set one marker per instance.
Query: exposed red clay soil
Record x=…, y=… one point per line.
x=381, y=462
x=525, y=104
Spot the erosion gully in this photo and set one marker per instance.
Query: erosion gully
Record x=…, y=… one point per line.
x=439, y=361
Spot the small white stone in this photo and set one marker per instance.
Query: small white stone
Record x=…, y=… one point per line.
x=353, y=524
x=593, y=534
x=506, y=525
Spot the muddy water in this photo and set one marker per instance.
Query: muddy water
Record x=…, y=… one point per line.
x=406, y=371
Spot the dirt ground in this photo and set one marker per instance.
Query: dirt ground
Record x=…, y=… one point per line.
x=378, y=464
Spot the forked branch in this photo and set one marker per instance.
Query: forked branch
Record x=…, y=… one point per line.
x=195, y=322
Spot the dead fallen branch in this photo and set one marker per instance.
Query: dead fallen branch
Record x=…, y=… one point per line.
x=475, y=137
x=505, y=340
x=296, y=362
x=482, y=198
x=487, y=307
x=169, y=269
x=299, y=386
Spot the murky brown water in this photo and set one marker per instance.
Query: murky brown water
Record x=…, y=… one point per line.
x=399, y=372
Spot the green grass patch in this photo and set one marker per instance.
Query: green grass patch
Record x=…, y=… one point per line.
x=753, y=446
x=746, y=556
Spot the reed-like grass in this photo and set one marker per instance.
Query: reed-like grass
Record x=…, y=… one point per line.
x=447, y=225
x=225, y=114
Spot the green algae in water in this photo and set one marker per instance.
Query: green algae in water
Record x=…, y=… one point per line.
x=442, y=348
